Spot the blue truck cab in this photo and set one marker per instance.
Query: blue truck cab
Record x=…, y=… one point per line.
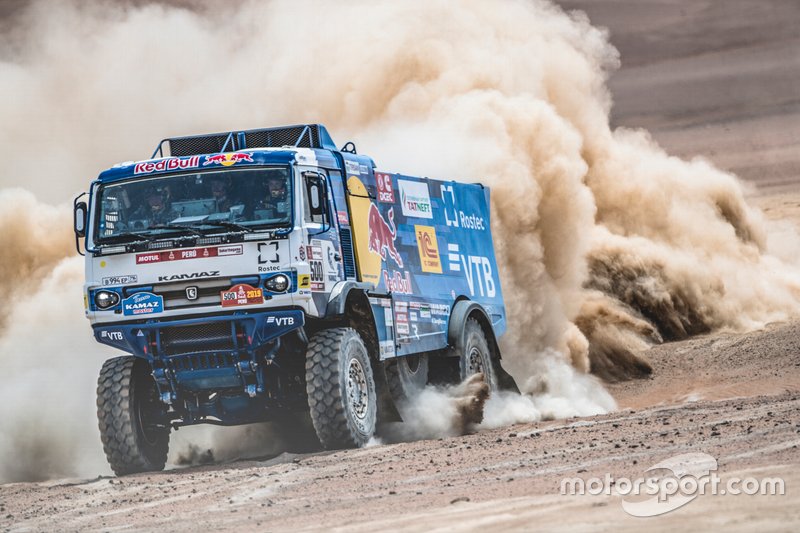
x=253, y=274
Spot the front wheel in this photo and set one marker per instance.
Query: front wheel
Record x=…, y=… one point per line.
x=341, y=388
x=129, y=411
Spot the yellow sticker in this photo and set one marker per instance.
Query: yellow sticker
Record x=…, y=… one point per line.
x=304, y=281
x=102, y=264
x=428, y=249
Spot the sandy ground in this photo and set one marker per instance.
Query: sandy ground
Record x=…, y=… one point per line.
x=710, y=78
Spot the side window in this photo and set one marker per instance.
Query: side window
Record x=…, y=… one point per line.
x=316, y=198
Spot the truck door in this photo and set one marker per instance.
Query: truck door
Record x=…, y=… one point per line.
x=322, y=250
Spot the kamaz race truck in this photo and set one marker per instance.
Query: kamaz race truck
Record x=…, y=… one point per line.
x=255, y=274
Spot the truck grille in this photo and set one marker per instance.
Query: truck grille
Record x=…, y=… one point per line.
x=174, y=293
x=347, y=253
x=208, y=337
x=194, y=362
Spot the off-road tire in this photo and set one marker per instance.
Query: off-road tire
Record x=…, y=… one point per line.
x=406, y=377
x=475, y=355
x=132, y=444
x=341, y=388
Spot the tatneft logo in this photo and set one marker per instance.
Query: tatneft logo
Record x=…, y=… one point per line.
x=671, y=484
x=415, y=199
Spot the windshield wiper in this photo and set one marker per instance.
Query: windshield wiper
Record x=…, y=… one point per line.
x=226, y=224
x=177, y=227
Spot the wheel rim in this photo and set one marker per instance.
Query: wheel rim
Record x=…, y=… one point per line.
x=144, y=409
x=474, y=361
x=357, y=389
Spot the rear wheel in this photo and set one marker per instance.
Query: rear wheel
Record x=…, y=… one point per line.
x=341, y=388
x=406, y=377
x=474, y=354
x=135, y=439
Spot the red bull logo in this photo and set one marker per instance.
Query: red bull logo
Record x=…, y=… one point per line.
x=229, y=159
x=170, y=163
x=382, y=235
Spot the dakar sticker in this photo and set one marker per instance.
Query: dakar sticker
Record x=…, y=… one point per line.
x=142, y=303
x=241, y=294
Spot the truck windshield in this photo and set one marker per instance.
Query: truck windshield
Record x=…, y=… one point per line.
x=196, y=203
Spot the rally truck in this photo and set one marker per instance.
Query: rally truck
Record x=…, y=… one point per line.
x=250, y=275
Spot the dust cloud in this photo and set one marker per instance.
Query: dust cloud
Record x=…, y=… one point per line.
x=605, y=243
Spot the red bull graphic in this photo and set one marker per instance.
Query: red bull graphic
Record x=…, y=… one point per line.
x=229, y=159
x=398, y=283
x=382, y=235
x=171, y=163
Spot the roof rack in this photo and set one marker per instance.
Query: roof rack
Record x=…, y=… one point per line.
x=298, y=136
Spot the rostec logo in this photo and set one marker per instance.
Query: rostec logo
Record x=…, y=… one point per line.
x=228, y=159
x=385, y=192
x=415, y=199
x=281, y=320
x=382, y=235
x=428, y=249
x=171, y=163
x=459, y=218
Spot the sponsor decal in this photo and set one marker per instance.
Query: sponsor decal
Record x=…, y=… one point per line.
x=424, y=313
x=228, y=159
x=302, y=253
x=428, y=249
x=120, y=280
x=111, y=335
x=439, y=321
x=170, y=163
x=142, y=303
x=188, y=253
x=317, y=276
x=382, y=235
x=387, y=349
x=397, y=282
x=241, y=294
x=191, y=293
x=477, y=269
x=193, y=275
x=455, y=217
x=440, y=309
x=385, y=192
x=413, y=316
x=402, y=329
x=344, y=220
x=415, y=199
x=304, y=281
x=268, y=257
x=281, y=320
x=453, y=258
x=314, y=252
x=351, y=167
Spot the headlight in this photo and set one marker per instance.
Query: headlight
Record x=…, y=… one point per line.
x=106, y=299
x=279, y=283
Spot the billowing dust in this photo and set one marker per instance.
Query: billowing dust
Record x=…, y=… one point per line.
x=605, y=243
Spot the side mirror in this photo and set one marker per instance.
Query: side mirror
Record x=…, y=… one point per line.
x=79, y=221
